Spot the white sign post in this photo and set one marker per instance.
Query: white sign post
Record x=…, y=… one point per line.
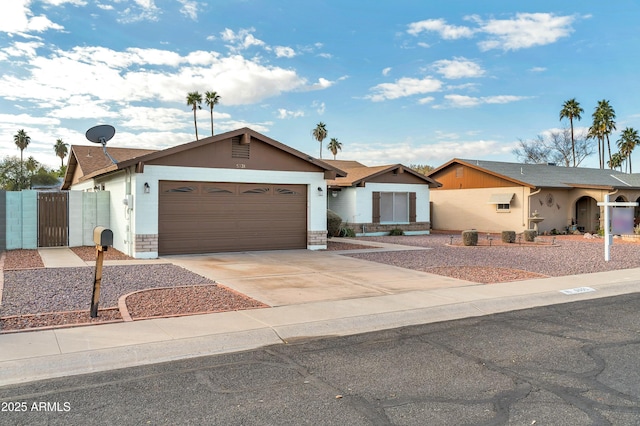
x=608, y=238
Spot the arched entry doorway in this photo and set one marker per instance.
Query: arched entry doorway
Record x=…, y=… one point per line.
x=587, y=214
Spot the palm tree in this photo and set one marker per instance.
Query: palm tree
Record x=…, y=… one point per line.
x=627, y=143
x=596, y=131
x=194, y=99
x=320, y=133
x=605, y=116
x=334, y=146
x=211, y=99
x=61, y=150
x=616, y=161
x=571, y=109
x=22, y=140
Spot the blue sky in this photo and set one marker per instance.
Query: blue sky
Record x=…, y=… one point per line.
x=395, y=82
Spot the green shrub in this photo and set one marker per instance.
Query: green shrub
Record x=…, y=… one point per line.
x=530, y=235
x=347, y=232
x=333, y=223
x=396, y=232
x=470, y=238
x=508, y=236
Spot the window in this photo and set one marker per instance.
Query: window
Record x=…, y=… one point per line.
x=394, y=207
x=503, y=207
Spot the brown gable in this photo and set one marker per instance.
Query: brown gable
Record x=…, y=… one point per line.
x=457, y=174
x=84, y=160
x=237, y=152
x=358, y=175
x=242, y=149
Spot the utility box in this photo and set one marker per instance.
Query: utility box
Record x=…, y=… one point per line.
x=102, y=236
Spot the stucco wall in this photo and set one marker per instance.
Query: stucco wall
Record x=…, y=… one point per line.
x=355, y=206
x=344, y=204
x=460, y=209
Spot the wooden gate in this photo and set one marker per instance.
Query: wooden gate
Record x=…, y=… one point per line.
x=53, y=219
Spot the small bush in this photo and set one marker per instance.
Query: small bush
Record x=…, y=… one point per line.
x=396, y=232
x=333, y=223
x=530, y=235
x=470, y=238
x=508, y=236
x=347, y=232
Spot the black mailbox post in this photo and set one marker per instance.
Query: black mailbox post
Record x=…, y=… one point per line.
x=103, y=238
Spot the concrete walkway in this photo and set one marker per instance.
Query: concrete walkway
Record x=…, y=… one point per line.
x=380, y=297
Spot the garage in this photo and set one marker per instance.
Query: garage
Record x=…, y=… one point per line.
x=207, y=217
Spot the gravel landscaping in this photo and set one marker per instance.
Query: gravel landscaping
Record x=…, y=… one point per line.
x=505, y=262
x=62, y=296
x=37, y=297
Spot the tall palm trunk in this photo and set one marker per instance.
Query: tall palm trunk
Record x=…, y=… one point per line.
x=573, y=143
x=195, y=124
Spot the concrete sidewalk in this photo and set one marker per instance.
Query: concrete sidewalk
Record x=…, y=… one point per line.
x=422, y=298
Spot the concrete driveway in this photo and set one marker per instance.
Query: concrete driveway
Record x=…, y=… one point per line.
x=300, y=276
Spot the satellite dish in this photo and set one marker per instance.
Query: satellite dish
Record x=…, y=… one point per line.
x=101, y=134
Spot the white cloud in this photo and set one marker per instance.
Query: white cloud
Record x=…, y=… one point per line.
x=82, y=106
x=386, y=71
x=133, y=75
x=27, y=119
x=284, y=114
x=538, y=69
x=403, y=87
x=241, y=40
x=61, y=2
x=284, y=52
x=440, y=26
x=462, y=101
x=458, y=67
x=163, y=119
x=189, y=9
x=525, y=30
x=427, y=100
x=325, y=55
x=16, y=17
x=19, y=49
x=322, y=83
x=319, y=106
x=373, y=154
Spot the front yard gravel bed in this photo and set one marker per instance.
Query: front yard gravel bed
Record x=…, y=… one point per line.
x=570, y=255
x=34, y=291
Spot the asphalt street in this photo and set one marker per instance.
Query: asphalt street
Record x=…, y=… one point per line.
x=568, y=364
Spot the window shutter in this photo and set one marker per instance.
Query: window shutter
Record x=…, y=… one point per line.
x=376, y=208
x=412, y=207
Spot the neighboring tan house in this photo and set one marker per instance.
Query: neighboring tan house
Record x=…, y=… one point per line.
x=236, y=191
x=493, y=196
x=375, y=200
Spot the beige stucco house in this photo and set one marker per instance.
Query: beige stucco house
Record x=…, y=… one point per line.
x=493, y=196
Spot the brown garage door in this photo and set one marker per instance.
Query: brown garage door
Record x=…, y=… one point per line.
x=207, y=217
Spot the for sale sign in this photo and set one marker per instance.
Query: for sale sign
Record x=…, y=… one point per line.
x=622, y=220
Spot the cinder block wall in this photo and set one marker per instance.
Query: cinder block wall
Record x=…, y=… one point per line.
x=19, y=218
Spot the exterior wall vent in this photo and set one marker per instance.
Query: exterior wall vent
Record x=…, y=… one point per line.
x=239, y=149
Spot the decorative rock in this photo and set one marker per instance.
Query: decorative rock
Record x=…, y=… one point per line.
x=508, y=236
x=470, y=238
x=530, y=235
